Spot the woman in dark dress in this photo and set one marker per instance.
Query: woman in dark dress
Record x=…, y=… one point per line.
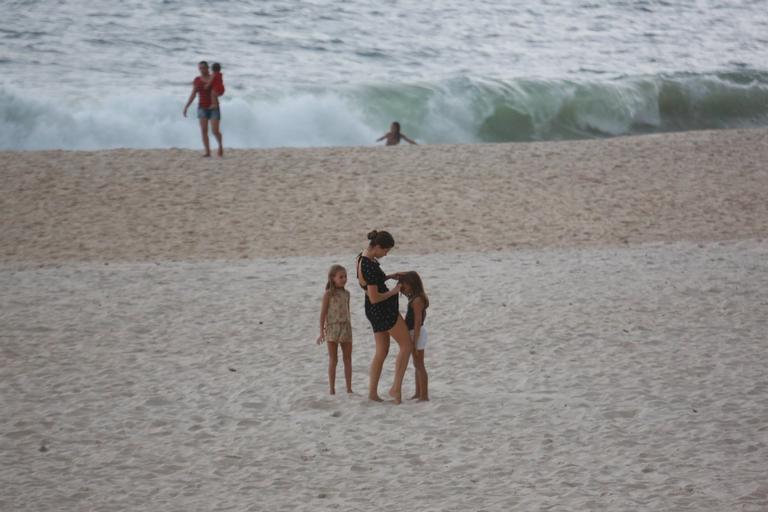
x=381, y=309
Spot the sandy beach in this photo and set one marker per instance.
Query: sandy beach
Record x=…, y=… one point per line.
x=135, y=205
x=597, y=328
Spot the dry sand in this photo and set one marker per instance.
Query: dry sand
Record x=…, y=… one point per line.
x=597, y=330
x=131, y=205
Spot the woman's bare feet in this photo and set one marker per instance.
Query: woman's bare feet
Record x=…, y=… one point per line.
x=396, y=396
x=375, y=398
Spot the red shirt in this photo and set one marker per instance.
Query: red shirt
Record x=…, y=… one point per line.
x=203, y=93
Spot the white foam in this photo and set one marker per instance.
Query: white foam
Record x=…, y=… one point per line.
x=156, y=121
x=459, y=110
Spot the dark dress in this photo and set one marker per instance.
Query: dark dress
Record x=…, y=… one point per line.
x=383, y=316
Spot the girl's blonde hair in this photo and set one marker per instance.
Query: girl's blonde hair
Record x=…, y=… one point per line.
x=413, y=280
x=335, y=269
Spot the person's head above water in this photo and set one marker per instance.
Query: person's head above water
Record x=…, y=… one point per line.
x=379, y=243
x=203, y=67
x=216, y=67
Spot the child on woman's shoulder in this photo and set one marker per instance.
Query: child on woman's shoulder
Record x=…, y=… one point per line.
x=336, y=326
x=418, y=302
x=216, y=85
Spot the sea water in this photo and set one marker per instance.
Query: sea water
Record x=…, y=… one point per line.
x=80, y=74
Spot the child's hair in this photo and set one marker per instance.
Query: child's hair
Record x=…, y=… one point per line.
x=216, y=67
x=335, y=269
x=396, y=129
x=381, y=238
x=413, y=281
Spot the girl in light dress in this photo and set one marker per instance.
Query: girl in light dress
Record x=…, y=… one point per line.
x=335, y=325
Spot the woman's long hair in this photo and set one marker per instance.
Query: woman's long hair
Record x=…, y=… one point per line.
x=413, y=281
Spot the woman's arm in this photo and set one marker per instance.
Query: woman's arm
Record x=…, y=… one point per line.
x=402, y=136
x=323, y=316
x=375, y=297
x=382, y=137
x=418, y=315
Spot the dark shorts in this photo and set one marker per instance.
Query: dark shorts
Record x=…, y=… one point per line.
x=208, y=113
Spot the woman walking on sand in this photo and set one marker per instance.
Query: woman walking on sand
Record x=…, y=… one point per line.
x=381, y=309
x=203, y=86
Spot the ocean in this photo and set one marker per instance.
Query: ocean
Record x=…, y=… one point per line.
x=77, y=74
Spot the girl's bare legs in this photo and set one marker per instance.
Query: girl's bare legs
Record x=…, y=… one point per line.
x=346, y=351
x=333, y=360
x=422, y=379
x=417, y=355
x=382, y=349
x=403, y=338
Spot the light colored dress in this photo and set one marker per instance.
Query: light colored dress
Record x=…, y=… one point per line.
x=338, y=327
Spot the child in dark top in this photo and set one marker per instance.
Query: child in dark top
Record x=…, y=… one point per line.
x=418, y=302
